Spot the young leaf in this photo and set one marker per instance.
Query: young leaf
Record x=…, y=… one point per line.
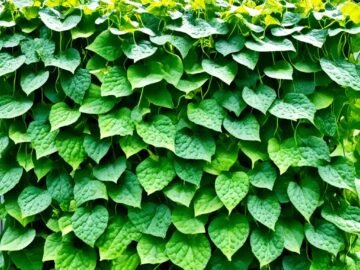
x=56, y=21
x=206, y=202
x=292, y=232
x=95, y=148
x=180, y=192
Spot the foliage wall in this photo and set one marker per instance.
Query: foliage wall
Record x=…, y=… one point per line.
x=179, y=135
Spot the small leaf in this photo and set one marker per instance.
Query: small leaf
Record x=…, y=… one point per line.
x=260, y=99
x=180, y=192
x=185, y=222
x=67, y=60
x=116, y=123
x=131, y=145
x=232, y=45
x=189, y=171
x=263, y=175
x=10, y=177
x=141, y=75
x=222, y=69
x=247, y=58
x=111, y=170
x=315, y=37
x=183, y=44
x=76, y=85
x=30, y=81
x=281, y=70
x=94, y=103
x=95, y=148
x=292, y=232
x=139, y=50
x=73, y=257
x=230, y=100
x=206, y=202
x=152, y=250
x=247, y=129
x=86, y=189
x=71, y=149
x=9, y=64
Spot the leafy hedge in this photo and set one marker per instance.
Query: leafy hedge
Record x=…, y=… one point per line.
x=179, y=135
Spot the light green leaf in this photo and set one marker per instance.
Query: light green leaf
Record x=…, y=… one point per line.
x=71, y=149
x=111, y=170
x=132, y=145
x=151, y=218
x=341, y=174
x=342, y=72
x=154, y=175
x=68, y=60
x=180, y=192
x=128, y=191
x=183, y=44
x=140, y=50
x=106, y=45
x=116, y=123
x=12, y=208
x=73, y=257
x=152, y=250
x=52, y=246
x=266, y=246
x=326, y=237
x=189, y=171
x=118, y=235
x=346, y=218
x=30, y=81
x=229, y=233
x=281, y=70
x=282, y=32
x=292, y=232
x=207, y=113
x=90, y=224
x=61, y=115
x=263, y=175
x=11, y=107
x=315, y=37
x=294, y=106
x=87, y=189
x=246, y=58
x=16, y=238
x=33, y=200
x=192, y=83
x=305, y=196
x=268, y=45
x=75, y=85
x=247, y=129
x=9, y=63
x=231, y=45
x=128, y=260
x=94, y=103
x=36, y=49
x=265, y=209
x=160, y=132
x=60, y=186
x=225, y=157
x=206, y=202
x=230, y=100
x=96, y=148
x=59, y=22
x=115, y=83
x=222, y=69
x=141, y=75
x=9, y=178
x=185, y=222
x=231, y=188
x=190, y=252
x=172, y=68
x=261, y=98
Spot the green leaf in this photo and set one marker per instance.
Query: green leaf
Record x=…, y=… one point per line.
x=222, y=69
x=73, y=257
x=231, y=45
x=180, y=192
x=154, y=175
x=185, y=222
x=266, y=246
x=60, y=186
x=341, y=174
x=225, y=157
x=116, y=123
x=247, y=58
x=231, y=188
x=84, y=220
x=282, y=32
x=241, y=261
x=115, y=83
x=36, y=49
x=206, y=202
x=118, y=235
x=16, y=238
x=10, y=177
x=110, y=171
x=58, y=22
x=263, y=175
x=94, y=103
x=325, y=237
x=189, y=171
x=305, y=196
x=183, y=44
x=172, y=68
x=346, y=218
x=67, y=60
x=11, y=107
x=190, y=252
x=294, y=106
x=207, y=113
x=71, y=149
x=292, y=232
x=160, y=132
x=281, y=70
x=33, y=200
x=89, y=190
x=194, y=145
x=247, y=129
x=153, y=219
x=342, y=72
x=95, y=148
x=193, y=83
x=230, y=100
x=132, y=145
x=268, y=45
x=106, y=45
x=52, y=246
x=128, y=191
x=261, y=98
x=229, y=233
x=159, y=95
x=30, y=81
x=9, y=63
x=61, y=115
x=141, y=75
x=126, y=261
x=265, y=209
x=140, y=50
x=12, y=208
x=315, y=37
x=295, y=262
x=75, y=85
x=152, y=250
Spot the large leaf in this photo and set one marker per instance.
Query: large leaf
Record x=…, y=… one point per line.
x=56, y=21
x=62, y=115
x=261, y=98
x=221, y=69
x=106, y=45
x=67, y=60
x=16, y=238
x=9, y=64
x=152, y=250
x=75, y=85
x=30, y=81
x=115, y=83
x=33, y=200
x=11, y=107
